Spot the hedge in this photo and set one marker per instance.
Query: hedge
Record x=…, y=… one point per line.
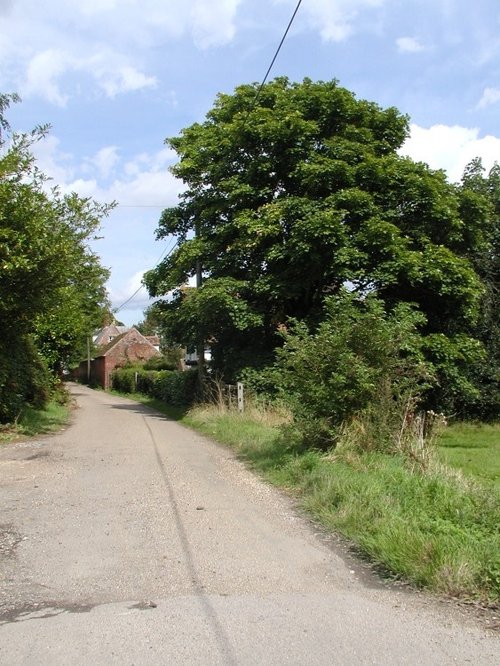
x=171, y=386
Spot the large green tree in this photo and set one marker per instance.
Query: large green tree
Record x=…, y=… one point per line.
x=480, y=198
x=52, y=292
x=293, y=194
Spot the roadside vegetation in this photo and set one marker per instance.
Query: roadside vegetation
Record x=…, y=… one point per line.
x=354, y=292
x=427, y=525
x=52, y=285
x=31, y=422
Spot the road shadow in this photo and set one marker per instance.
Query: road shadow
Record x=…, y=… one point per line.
x=155, y=408
x=219, y=631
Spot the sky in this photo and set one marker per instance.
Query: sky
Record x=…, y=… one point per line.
x=114, y=78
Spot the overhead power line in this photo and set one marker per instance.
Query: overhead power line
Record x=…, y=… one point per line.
x=131, y=298
x=257, y=95
x=275, y=55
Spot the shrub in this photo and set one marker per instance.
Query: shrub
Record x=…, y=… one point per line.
x=172, y=387
x=123, y=379
x=360, y=360
x=24, y=378
x=170, y=360
x=145, y=381
x=175, y=388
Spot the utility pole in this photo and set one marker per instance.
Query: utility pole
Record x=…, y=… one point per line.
x=201, y=341
x=88, y=359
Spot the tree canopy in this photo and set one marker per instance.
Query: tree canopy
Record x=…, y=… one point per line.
x=52, y=285
x=481, y=191
x=291, y=196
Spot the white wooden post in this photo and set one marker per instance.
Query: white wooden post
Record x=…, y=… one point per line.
x=241, y=401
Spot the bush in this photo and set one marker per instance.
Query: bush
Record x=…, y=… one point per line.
x=360, y=360
x=123, y=379
x=170, y=360
x=24, y=378
x=145, y=381
x=172, y=387
x=175, y=388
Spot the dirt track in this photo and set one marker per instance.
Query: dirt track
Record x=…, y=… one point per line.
x=128, y=539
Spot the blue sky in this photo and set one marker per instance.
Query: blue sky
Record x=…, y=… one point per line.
x=114, y=78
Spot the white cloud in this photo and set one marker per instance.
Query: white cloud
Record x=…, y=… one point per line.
x=110, y=70
x=105, y=160
x=121, y=295
x=409, y=45
x=451, y=148
x=335, y=19
x=110, y=41
x=93, y=7
x=490, y=96
x=42, y=73
x=86, y=188
x=147, y=188
x=124, y=79
x=213, y=22
x=142, y=181
x=52, y=161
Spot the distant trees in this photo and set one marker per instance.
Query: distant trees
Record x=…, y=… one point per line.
x=52, y=286
x=299, y=193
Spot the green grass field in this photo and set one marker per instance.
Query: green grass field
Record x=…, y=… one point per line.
x=474, y=449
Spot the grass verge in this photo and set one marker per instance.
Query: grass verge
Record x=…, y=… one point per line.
x=36, y=422
x=436, y=529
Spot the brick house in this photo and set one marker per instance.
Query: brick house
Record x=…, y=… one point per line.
x=119, y=348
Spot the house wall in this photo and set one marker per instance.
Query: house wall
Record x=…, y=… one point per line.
x=98, y=372
x=132, y=347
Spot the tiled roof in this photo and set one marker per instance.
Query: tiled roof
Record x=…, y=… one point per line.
x=102, y=351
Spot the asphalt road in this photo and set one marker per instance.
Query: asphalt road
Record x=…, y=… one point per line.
x=128, y=539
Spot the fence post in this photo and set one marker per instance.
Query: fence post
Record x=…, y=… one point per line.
x=241, y=400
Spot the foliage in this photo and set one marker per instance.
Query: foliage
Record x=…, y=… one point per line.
x=433, y=529
x=480, y=198
x=124, y=379
x=359, y=359
x=170, y=360
x=152, y=322
x=33, y=421
x=176, y=388
x=453, y=359
x=294, y=195
x=52, y=291
x=173, y=388
x=24, y=377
